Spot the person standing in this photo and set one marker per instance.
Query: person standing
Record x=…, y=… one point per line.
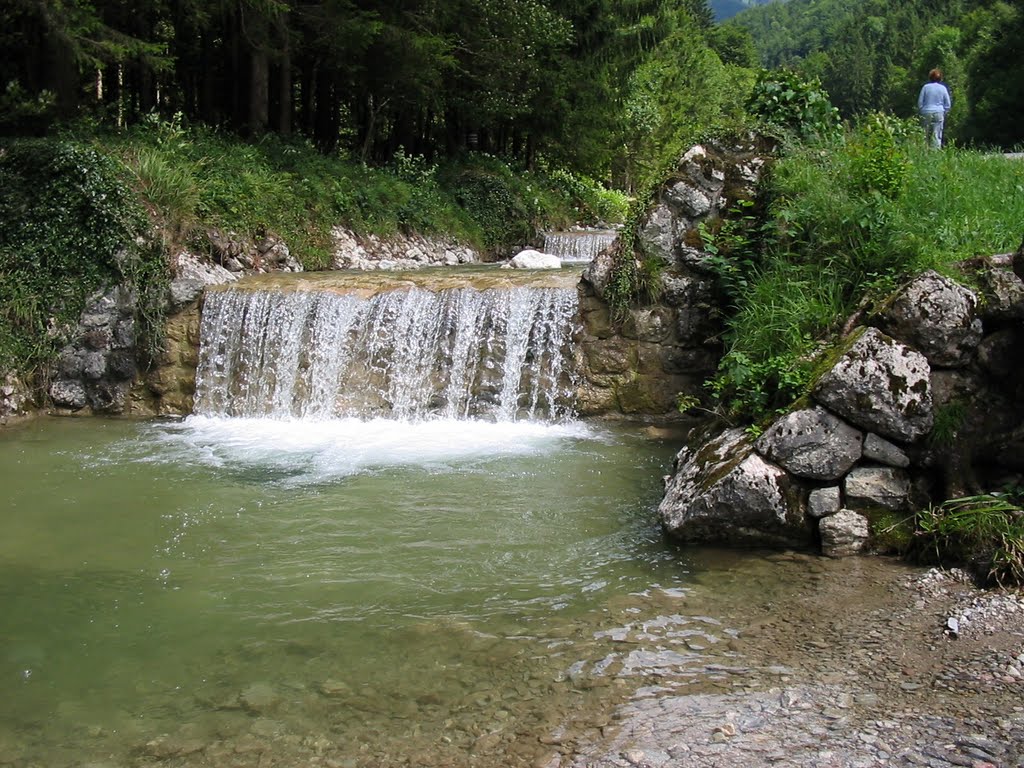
x=932, y=104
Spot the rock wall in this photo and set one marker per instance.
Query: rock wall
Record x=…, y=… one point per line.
x=96, y=371
x=643, y=363
x=350, y=251
x=925, y=403
x=17, y=400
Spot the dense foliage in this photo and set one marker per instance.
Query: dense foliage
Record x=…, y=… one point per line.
x=874, y=55
x=69, y=226
x=519, y=79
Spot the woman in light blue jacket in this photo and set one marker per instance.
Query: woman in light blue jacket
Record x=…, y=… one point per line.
x=932, y=104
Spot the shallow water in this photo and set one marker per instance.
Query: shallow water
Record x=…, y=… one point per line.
x=374, y=588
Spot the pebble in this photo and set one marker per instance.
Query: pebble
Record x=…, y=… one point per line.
x=889, y=687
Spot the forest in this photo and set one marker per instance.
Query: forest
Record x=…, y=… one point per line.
x=569, y=79
x=597, y=86
x=873, y=55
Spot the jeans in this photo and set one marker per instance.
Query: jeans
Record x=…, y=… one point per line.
x=932, y=122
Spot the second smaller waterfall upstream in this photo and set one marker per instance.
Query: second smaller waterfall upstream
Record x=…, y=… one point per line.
x=410, y=354
x=578, y=245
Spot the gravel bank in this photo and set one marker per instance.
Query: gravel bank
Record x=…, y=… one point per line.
x=887, y=668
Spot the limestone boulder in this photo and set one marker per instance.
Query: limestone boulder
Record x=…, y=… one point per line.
x=182, y=291
x=69, y=394
x=689, y=199
x=881, y=450
x=15, y=397
x=598, y=272
x=190, y=267
x=880, y=385
x=812, y=443
x=659, y=233
x=823, y=502
x=843, y=534
x=873, y=487
x=936, y=316
x=531, y=259
x=723, y=491
x=1003, y=294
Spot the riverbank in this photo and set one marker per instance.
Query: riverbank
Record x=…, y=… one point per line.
x=856, y=667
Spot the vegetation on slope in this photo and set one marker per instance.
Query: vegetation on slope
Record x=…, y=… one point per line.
x=69, y=226
x=847, y=220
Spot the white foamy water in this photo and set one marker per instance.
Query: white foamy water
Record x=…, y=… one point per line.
x=503, y=354
x=578, y=246
x=299, y=452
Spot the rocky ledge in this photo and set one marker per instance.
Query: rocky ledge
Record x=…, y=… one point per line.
x=922, y=404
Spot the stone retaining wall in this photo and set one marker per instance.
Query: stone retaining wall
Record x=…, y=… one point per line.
x=924, y=404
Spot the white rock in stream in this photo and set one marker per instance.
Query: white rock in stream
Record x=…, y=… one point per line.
x=531, y=259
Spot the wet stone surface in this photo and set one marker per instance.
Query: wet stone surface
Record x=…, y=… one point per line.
x=859, y=670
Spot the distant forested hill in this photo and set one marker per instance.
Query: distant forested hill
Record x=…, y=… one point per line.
x=875, y=54
x=726, y=9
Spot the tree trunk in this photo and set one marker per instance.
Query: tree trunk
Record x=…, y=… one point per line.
x=259, y=91
x=283, y=97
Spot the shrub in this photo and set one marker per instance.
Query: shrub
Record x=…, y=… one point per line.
x=486, y=191
x=985, y=533
x=69, y=225
x=878, y=160
x=791, y=107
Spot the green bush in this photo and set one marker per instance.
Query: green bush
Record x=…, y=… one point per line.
x=791, y=107
x=878, y=159
x=984, y=533
x=69, y=225
x=487, y=192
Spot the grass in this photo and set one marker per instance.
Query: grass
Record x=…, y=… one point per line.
x=984, y=533
x=846, y=223
x=190, y=179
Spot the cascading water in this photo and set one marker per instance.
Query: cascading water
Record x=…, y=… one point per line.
x=500, y=354
x=581, y=245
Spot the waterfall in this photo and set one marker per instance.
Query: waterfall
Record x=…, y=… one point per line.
x=578, y=245
x=500, y=353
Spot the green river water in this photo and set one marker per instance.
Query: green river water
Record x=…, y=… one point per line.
x=232, y=592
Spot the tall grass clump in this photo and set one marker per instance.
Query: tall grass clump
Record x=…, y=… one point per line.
x=846, y=222
x=984, y=533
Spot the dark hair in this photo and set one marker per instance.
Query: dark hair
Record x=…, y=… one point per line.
x=935, y=75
